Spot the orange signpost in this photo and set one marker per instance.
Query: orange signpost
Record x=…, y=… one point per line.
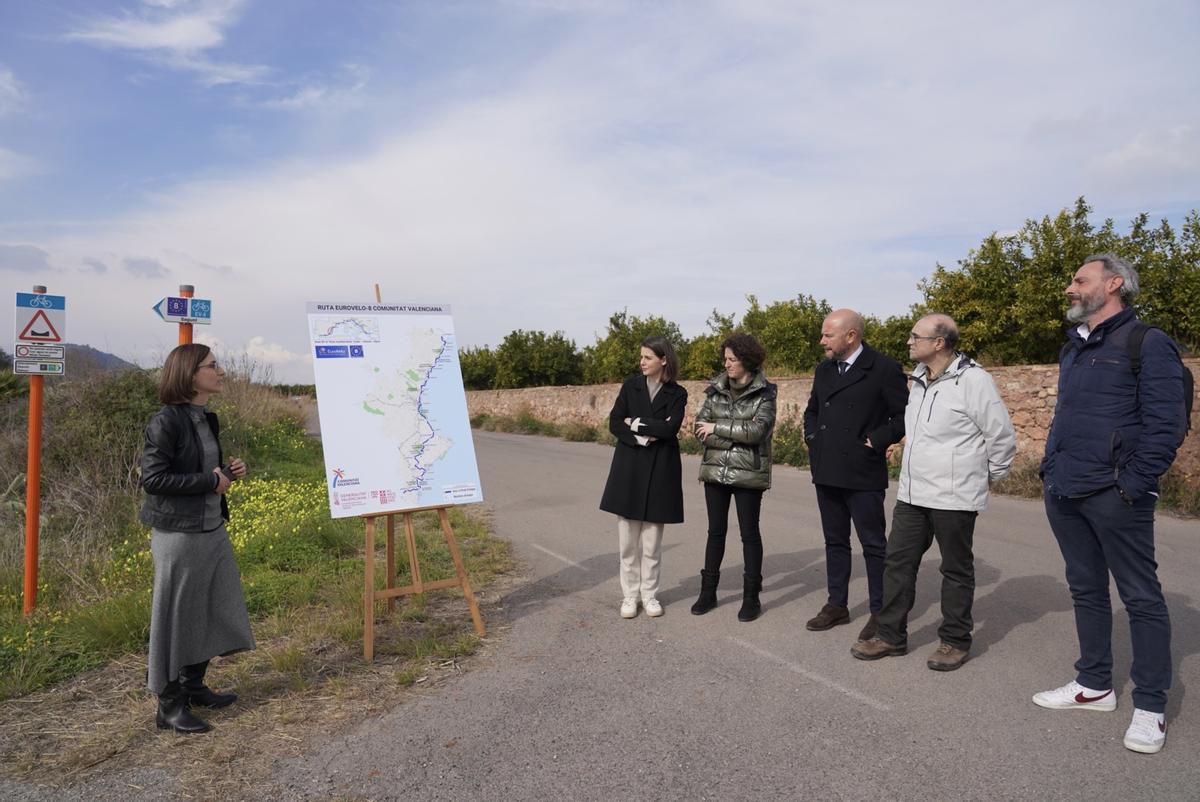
x=185, y=329
x=33, y=486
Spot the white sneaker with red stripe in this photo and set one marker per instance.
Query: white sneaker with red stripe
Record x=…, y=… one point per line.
x=1147, y=732
x=1074, y=696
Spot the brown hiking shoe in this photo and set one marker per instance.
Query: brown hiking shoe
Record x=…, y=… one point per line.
x=829, y=617
x=946, y=658
x=869, y=629
x=876, y=648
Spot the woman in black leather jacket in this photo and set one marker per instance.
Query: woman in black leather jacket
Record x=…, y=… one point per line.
x=198, y=610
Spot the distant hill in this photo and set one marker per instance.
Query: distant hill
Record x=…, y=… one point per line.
x=86, y=359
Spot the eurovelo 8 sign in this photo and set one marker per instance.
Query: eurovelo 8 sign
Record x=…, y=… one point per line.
x=176, y=309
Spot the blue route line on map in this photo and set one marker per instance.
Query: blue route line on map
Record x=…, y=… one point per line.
x=343, y=322
x=417, y=483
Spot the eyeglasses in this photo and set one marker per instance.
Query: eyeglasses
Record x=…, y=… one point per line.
x=915, y=336
x=212, y=365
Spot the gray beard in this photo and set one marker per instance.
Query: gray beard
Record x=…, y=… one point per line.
x=1080, y=312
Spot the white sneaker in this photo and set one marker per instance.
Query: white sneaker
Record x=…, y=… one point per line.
x=629, y=607
x=652, y=607
x=1147, y=732
x=1074, y=696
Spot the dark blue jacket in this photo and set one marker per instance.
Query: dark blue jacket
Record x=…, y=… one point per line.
x=1105, y=432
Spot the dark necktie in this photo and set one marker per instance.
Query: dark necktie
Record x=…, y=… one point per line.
x=843, y=367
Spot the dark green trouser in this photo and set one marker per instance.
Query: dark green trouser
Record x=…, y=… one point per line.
x=913, y=531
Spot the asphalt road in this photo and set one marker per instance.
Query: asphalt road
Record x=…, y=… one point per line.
x=576, y=703
x=572, y=702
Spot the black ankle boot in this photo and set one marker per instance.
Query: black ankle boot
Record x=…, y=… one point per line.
x=198, y=694
x=708, y=592
x=173, y=712
x=750, y=605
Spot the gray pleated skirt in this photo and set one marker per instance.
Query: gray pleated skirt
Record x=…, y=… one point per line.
x=199, y=610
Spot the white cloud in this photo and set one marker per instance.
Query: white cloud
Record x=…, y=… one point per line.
x=271, y=353
x=175, y=39
x=324, y=96
x=14, y=165
x=673, y=161
x=145, y=268
x=1171, y=154
x=12, y=92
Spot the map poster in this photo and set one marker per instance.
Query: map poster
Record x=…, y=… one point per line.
x=394, y=421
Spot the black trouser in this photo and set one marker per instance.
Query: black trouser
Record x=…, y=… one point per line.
x=839, y=506
x=749, y=504
x=913, y=531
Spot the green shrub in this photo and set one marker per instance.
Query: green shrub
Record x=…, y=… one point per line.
x=578, y=432
x=1180, y=493
x=788, y=446
x=528, y=423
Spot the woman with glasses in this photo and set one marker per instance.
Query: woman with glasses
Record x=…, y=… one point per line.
x=645, y=483
x=198, y=610
x=735, y=427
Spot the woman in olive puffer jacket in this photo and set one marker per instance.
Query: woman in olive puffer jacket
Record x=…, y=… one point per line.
x=734, y=426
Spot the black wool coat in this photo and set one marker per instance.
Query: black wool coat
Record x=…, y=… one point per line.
x=845, y=410
x=645, y=483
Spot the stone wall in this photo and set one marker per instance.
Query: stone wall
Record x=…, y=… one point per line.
x=1028, y=390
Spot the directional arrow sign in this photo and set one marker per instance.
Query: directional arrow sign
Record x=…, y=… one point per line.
x=174, y=309
x=34, y=367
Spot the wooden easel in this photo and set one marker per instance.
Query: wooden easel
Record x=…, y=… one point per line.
x=390, y=591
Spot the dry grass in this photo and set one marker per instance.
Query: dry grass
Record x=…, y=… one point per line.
x=1022, y=481
x=299, y=687
x=250, y=400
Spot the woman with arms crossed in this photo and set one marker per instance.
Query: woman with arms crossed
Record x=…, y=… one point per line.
x=645, y=482
x=735, y=426
x=198, y=611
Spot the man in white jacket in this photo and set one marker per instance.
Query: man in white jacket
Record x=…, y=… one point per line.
x=958, y=441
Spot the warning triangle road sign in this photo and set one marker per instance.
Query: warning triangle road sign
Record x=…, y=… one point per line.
x=40, y=329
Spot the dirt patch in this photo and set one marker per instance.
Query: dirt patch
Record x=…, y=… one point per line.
x=102, y=723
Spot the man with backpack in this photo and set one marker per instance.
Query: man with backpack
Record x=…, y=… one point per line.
x=1119, y=419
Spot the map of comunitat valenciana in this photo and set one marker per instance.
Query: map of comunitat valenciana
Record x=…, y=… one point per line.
x=394, y=421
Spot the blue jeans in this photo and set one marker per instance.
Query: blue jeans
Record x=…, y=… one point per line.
x=1099, y=534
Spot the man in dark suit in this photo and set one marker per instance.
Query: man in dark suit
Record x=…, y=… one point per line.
x=855, y=411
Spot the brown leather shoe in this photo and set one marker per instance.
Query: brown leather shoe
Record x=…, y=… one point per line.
x=869, y=629
x=946, y=658
x=829, y=617
x=876, y=648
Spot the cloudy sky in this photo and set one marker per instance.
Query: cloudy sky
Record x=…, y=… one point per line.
x=540, y=164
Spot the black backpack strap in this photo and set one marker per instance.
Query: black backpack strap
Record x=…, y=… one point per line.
x=1133, y=346
x=1137, y=336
